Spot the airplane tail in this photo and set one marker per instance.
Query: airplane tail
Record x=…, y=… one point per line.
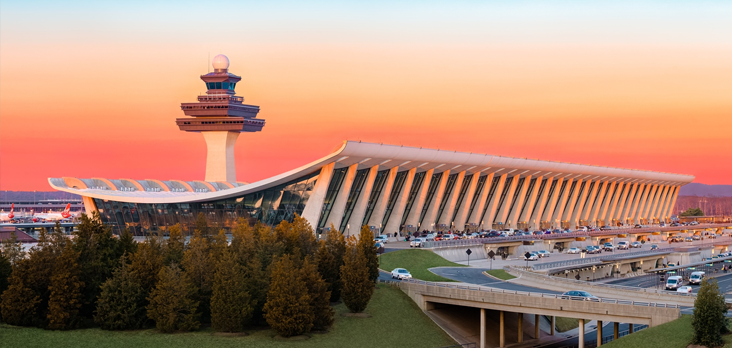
x=66, y=213
x=12, y=207
x=68, y=208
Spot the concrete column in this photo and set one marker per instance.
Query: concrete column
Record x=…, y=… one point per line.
x=655, y=211
x=507, y=200
x=645, y=202
x=673, y=201
x=430, y=216
x=594, y=204
x=395, y=219
x=220, y=161
x=607, y=202
x=567, y=215
x=477, y=214
x=514, y=215
x=652, y=201
x=577, y=213
x=599, y=333
x=608, y=214
x=482, y=328
x=540, y=204
x=581, y=337
x=554, y=322
x=420, y=200
x=462, y=211
x=446, y=217
x=502, y=331
x=378, y=214
x=492, y=205
x=562, y=203
x=359, y=210
x=617, y=213
x=630, y=328
x=339, y=204
x=638, y=211
x=633, y=206
x=531, y=201
x=537, y=332
x=520, y=327
x=616, y=328
x=315, y=202
x=552, y=202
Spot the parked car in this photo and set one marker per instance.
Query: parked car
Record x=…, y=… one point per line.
x=623, y=245
x=636, y=245
x=474, y=235
x=654, y=247
x=712, y=236
x=591, y=249
x=608, y=246
x=382, y=238
x=416, y=243
x=448, y=236
x=400, y=273
x=684, y=289
x=532, y=256
x=696, y=277
x=674, y=282
x=543, y=253
x=637, y=226
x=688, y=239
x=696, y=237
x=579, y=295
x=508, y=231
x=574, y=251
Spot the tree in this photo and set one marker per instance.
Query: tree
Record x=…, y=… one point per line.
x=692, y=212
x=127, y=243
x=98, y=257
x=288, y=310
x=172, y=304
x=19, y=301
x=231, y=305
x=175, y=246
x=121, y=304
x=357, y=285
x=709, y=320
x=197, y=264
x=330, y=259
x=66, y=292
x=201, y=226
x=319, y=295
x=368, y=250
x=13, y=249
x=297, y=237
x=146, y=263
x=6, y=268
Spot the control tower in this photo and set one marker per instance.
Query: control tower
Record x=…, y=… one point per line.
x=220, y=116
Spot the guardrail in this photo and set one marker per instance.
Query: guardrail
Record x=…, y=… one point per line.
x=479, y=241
x=594, y=284
x=595, y=259
x=534, y=294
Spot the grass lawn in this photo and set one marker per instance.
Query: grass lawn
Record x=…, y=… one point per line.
x=674, y=334
x=391, y=310
x=417, y=262
x=500, y=274
x=565, y=324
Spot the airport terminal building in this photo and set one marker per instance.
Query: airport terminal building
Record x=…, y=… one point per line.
x=387, y=187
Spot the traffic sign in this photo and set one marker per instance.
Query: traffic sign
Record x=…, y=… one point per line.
x=491, y=254
x=527, y=255
x=468, y=252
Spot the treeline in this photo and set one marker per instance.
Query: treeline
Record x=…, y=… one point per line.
x=282, y=276
x=710, y=206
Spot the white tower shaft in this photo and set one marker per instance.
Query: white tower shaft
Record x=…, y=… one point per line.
x=220, y=162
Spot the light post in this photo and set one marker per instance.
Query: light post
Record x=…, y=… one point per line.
x=348, y=230
x=379, y=229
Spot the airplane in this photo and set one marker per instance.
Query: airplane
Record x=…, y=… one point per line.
x=65, y=214
x=8, y=216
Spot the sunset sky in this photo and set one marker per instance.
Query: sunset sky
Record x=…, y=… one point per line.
x=92, y=89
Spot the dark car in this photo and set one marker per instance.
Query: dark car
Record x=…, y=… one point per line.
x=579, y=295
x=654, y=247
x=637, y=226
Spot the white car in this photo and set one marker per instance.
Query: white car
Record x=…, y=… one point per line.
x=684, y=289
x=448, y=236
x=382, y=238
x=532, y=256
x=623, y=246
x=574, y=251
x=416, y=243
x=543, y=253
x=400, y=273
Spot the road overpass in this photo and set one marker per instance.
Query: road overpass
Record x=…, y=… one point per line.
x=429, y=296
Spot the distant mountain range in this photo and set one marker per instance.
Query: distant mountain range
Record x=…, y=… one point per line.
x=696, y=189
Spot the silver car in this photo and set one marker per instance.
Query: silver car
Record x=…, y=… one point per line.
x=416, y=243
x=400, y=273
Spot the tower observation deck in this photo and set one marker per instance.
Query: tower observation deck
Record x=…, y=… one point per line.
x=220, y=116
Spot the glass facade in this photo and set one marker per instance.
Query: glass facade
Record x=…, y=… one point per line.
x=516, y=195
x=492, y=192
x=478, y=192
x=538, y=197
x=221, y=85
x=529, y=190
x=506, y=186
x=270, y=206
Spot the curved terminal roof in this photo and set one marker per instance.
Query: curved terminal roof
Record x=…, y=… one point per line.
x=366, y=155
